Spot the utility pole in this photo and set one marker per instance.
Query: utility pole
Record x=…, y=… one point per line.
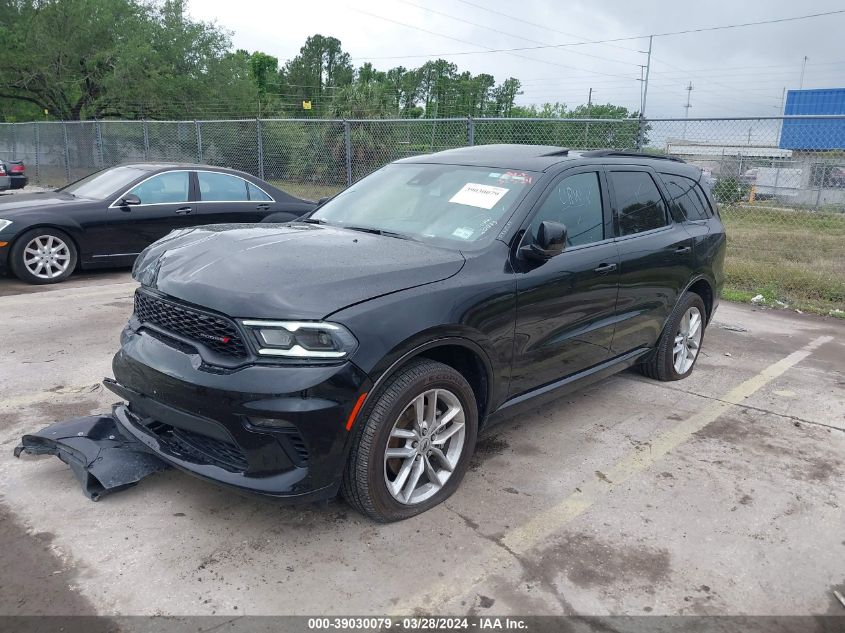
x=587, y=126
x=642, y=82
x=647, y=72
x=686, y=108
x=803, y=66
x=641, y=131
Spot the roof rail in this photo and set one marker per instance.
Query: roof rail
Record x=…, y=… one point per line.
x=563, y=151
x=612, y=153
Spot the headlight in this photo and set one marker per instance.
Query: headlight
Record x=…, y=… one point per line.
x=4, y=224
x=302, y=340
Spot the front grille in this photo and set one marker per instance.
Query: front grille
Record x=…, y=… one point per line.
x=201, y=449
x=214, y=332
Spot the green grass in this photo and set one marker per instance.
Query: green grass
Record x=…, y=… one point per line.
x=791, y=256
x=307, y=190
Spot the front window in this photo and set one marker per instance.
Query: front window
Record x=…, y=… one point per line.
x=449, y=205
x=576, y=203
x=104, y=184
x=167, y=188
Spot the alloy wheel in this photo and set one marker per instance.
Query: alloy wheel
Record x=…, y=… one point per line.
x=424, y=446
x=46, y=256
x=687, y=341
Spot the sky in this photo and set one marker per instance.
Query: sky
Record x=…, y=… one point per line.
x=734, y=72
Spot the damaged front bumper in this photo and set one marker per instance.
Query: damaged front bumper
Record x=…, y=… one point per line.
x=99, y=451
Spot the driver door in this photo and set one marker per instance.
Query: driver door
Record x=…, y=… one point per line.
x=566, y=305
x=166, y=204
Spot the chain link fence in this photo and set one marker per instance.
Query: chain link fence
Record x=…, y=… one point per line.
x=780, y=181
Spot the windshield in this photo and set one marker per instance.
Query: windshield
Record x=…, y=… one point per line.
x=105, y=183
x=449, y=205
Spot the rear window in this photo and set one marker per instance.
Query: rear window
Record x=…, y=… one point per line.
x=686, y=195
x=639, y=205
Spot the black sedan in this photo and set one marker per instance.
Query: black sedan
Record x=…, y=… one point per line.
x=107, y=218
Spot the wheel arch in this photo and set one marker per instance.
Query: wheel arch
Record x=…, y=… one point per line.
x=704, y=289
x=462, y=354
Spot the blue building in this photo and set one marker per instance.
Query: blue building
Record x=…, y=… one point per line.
x=814, y=134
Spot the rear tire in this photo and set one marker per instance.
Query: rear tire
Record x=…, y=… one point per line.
x=43, y=256
x=680, y=344
x=426, y=416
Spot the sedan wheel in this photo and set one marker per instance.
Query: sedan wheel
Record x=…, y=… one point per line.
x=412, y=442
x=43, y=256
x=46, y=257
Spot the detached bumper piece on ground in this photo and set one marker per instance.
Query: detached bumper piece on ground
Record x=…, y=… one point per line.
x=103, y=458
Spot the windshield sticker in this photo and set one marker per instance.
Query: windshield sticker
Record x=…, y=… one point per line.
x=488, y=224
x=481, y=196
x=516, y=176
x=463, y=233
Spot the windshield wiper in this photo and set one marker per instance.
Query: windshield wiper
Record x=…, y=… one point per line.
x=367, y=229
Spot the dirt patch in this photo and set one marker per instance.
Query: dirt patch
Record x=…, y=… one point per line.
x=588, y=562
x=785, y=442
x=57, y=411
x=36, y=581
x=486, y=448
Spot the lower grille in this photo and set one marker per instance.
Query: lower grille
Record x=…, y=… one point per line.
x=201, y=449
x=295, y=441
x=214, y=332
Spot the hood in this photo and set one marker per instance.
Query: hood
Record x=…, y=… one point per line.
x=288, y=271
x=16, y=206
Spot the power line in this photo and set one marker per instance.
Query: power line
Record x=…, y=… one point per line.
x=567, y=44
x=519, y=37
x=488, y=50
x=541, y=26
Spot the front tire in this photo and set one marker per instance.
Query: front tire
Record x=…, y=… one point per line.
x=43, y=256
x=680, y=344
x=412, y=448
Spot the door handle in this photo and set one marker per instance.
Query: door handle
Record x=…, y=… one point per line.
x=183, y=210
x=605, y=268
x=683, y=249
x=262, y=207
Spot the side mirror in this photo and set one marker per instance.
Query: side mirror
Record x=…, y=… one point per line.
x=551, y=240
x=129, y=200
x=323, y=201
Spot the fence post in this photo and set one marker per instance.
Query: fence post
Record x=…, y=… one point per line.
x=640, y=132
x=14, y=141
x=99, y=131
x=67, y=152
x=260, y=143
x=199, y=142
x=146, y=140
x=347, y=142
x=37, y=151
x=470, y=131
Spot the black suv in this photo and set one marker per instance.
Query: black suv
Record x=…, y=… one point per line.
x=363, y=347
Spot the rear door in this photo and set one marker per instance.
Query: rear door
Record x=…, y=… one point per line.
x=655, y=255
x=566, y=305
x=166, y=204
x=226, y=198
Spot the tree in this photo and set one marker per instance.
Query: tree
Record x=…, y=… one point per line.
x=320, y=68
x=96, y=58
